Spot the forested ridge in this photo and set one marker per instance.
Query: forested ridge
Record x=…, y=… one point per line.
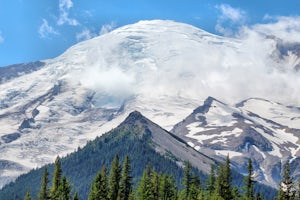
x=117, y=184
x=79, y=170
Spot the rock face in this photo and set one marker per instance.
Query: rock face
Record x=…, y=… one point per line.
x=264, y=131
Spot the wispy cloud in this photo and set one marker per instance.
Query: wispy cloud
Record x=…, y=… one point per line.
x=85, y=34
x=228, y=18
x=230, y=13
x=1, y=38
x=106, y=28
x=46, y=30
x=64, y=8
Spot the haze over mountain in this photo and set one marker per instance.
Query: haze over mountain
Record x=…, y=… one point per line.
x=164, y=69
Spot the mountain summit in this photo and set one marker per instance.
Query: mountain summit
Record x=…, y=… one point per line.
x=258, y=129
x=162, y=68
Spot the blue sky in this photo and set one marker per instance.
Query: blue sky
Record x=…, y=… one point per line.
x=33, y=30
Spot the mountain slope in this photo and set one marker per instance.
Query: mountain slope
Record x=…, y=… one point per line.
x=218, y=130
x=161, y=68
x=138, y=137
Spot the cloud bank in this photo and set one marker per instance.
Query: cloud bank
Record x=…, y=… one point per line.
x=158, y=58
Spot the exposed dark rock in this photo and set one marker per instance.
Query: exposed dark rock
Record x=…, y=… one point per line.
x=13, y=71
x=26, y=124
x=10, y=137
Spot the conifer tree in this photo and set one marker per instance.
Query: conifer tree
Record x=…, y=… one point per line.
x=211, y=181
x=187, y=181
x=155, y=184
x=286, y=187
x=259, y=196
x=126, y=181
x=114, y=179
x=223, y=184
x=298, y=190
x=249, y=182
x=64, y=189
x=168, y=190
x=195, y=188
x=76, y=196
x=99, y=188
x=44, y=192
x=236, y=194
x=144, y=190
x=27, y=196
x=56, y=179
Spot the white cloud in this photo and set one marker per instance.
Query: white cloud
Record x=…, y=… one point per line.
x=230, y=13
x=85, y=34
x=285, y=28
x=64, y=8
x=106, y=28
x=160, y=63
x=229, y=17
x=45, y=30
x=1, y=38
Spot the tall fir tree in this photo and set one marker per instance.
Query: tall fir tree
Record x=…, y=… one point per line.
x=249, y=182
x=64, y=189
x=114, y=179
x=210, y=187
x=286, y=186
x=144, y=189
x=99, y=188
x=186, y=181
x=76, y=196
x=126, y=181
x=44, y=191
x=168, y=189
x=27, y=196
x=155, y=184
x=56, y=181
x=195, y=188
x=223, y=183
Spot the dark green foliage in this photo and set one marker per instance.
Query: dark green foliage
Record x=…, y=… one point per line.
x=259, y=196
x=154, y=186
x=56, y=180
x=27, y=196
x=99, y=189
x=249, y=182
x=223, y=183
x=168, y=189
x=76, y=196
x=236, y=194
x=195, y=188
x=64, y=189
x=144, y=189
x=286, y=186
x=44, y=191
x=126, y=181
x=210, y=187
x=114, y=179
x=187, y=181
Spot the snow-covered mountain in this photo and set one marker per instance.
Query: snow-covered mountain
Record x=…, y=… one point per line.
x=161, y=68
x=262, y=130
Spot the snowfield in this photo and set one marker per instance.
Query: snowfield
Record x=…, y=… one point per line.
x=163, y=69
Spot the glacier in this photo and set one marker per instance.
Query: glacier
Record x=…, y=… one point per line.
x=163, y=69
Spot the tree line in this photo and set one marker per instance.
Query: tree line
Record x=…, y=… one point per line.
x=117, y=184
